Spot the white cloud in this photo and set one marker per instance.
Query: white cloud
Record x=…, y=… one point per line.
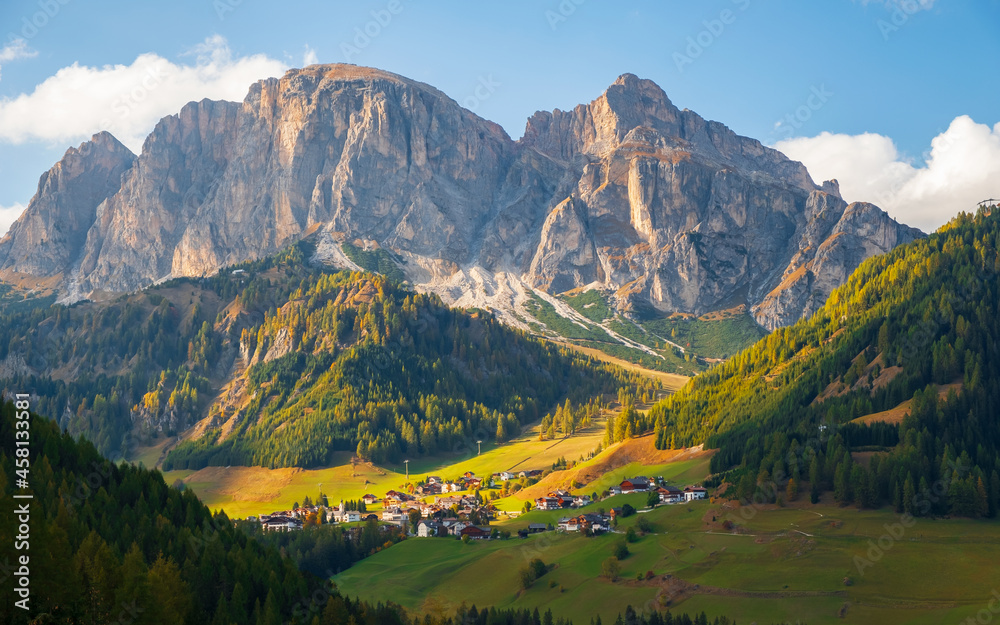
x=128, y=100
x=16, y=49
x=8, y=215
x=961, y=168
x=310, y=57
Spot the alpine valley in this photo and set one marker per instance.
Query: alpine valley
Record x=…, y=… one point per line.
x=349, y=287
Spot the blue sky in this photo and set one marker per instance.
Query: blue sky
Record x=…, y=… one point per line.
x=895, y=74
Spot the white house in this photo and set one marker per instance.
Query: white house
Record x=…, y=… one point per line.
x=281, y=524
x=669, y=494
x=427, y=529
x=694, y=492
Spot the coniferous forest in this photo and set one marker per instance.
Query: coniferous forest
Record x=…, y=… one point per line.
x=916, y=329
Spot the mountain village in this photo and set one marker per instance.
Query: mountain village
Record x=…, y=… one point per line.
x=429, y=510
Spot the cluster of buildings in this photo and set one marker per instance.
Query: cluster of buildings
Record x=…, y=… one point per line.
x=434, y=485
x=286, y=520
x=667, y=493
x=592, y=522
x=443, y=512
x=452, y=527
x=558, y=499
x=506, y=476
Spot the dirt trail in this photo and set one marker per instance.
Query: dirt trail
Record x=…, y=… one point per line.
x=673, y=591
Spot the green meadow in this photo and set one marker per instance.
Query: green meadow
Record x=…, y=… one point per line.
x=937, y=571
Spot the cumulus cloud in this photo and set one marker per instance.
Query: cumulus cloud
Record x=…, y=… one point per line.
x=961, y=168
x=8, y=215
x=16, y=49
x=128, y=100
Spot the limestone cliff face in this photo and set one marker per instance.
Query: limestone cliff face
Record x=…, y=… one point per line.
x=628, y=193
x=51, y=232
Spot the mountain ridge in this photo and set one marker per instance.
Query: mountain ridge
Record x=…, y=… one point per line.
x=653, y=205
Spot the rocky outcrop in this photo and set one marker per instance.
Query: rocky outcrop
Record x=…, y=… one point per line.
x=824, y=263
x=628, y=194
x=50, y=234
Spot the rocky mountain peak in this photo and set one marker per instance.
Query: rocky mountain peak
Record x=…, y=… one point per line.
x=627, y=194
x=49, y=235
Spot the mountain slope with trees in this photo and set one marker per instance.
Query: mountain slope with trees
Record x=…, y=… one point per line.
x=919, y=325
x=115, y=542
x=282, y=363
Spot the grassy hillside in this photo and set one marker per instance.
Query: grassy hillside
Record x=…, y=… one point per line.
x=781, y=565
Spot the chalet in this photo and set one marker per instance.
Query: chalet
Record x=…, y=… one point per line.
x=694, y=492
x=429, y=489
x=475, y=532
x=454, y=527
x=615, y=490
x=370, y=517
x=393, y=515
x=635, y=484
x=433, y=479
x=469, y=475
x=548, y=503
x=369, y=499
x=530, y=473
x=506, y=476
x=473, y=483
x=581, y=500
x=395, y=498
x=592, y=522
x=534, y=528
x=280, y=523
x=669, y=494
x=426, y=529
x=563, y=524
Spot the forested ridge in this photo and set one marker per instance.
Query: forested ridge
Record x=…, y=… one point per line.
x=114, y=543
x=920, y=324
x=310, y=361
x=361, y=364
